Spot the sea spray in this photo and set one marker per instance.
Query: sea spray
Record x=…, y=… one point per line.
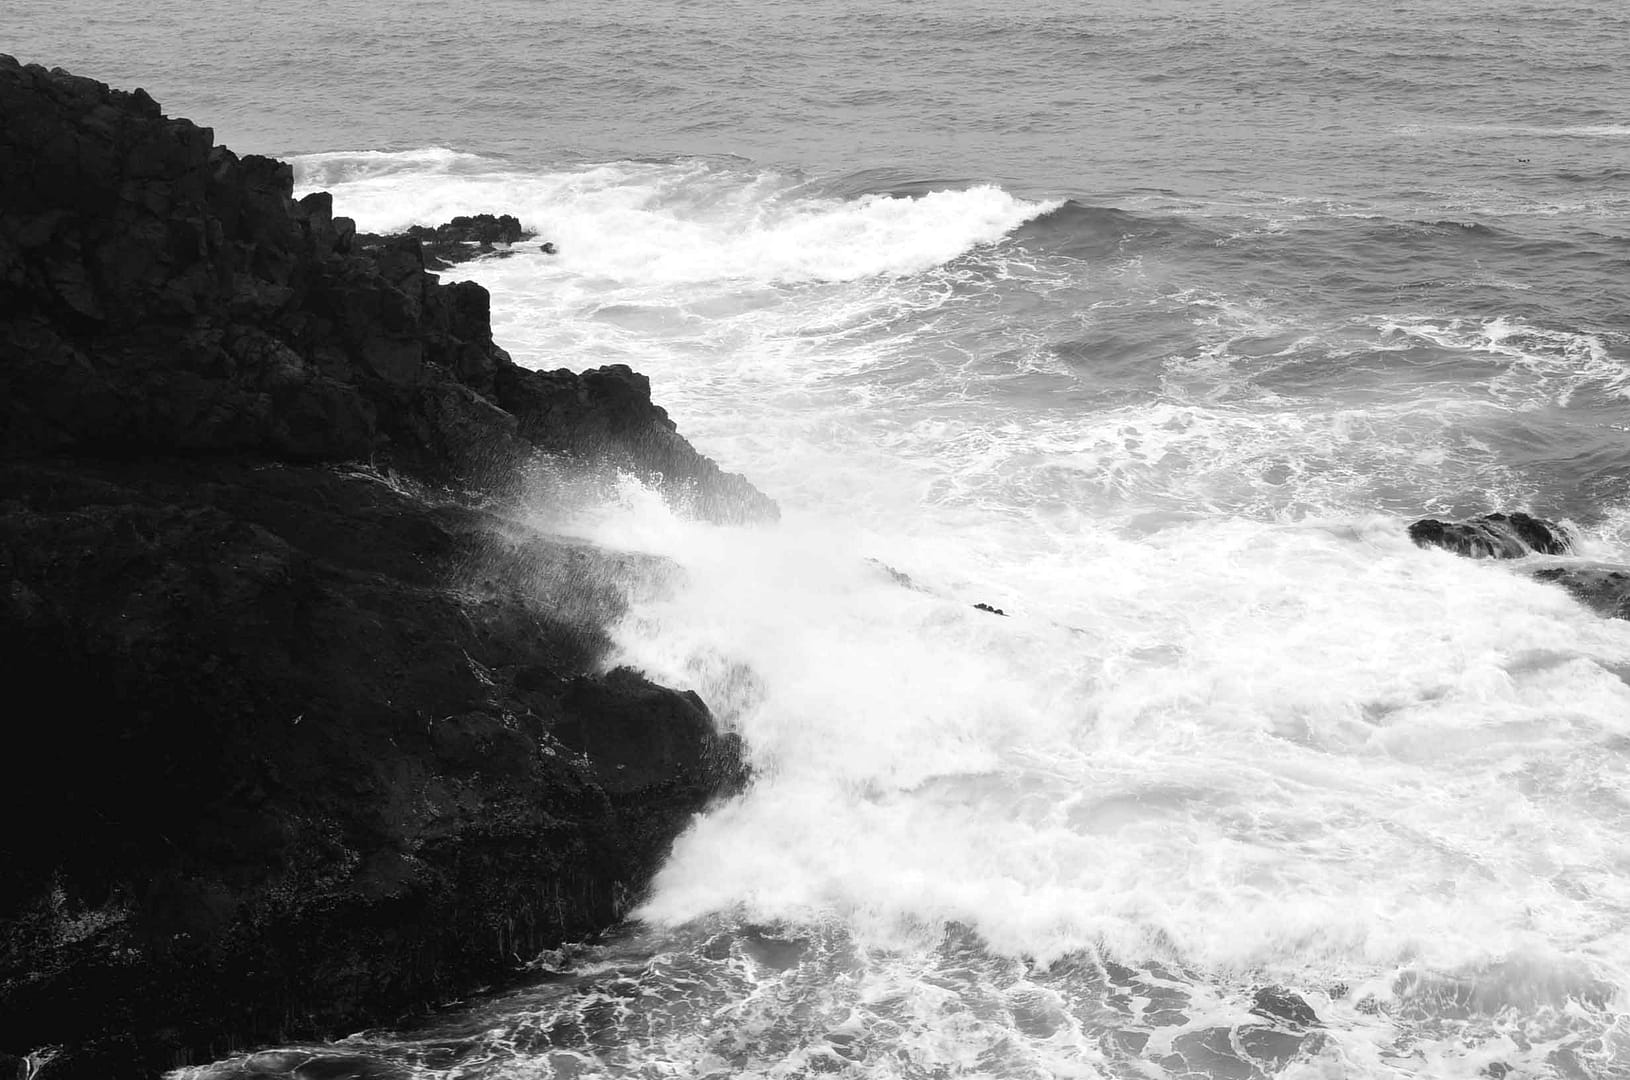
x=1233, y=732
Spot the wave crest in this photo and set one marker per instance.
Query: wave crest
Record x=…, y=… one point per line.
x=681, y=221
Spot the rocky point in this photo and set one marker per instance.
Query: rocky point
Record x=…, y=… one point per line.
x=309, y=732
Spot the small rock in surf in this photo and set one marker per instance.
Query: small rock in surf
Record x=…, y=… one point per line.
x=1494, y=536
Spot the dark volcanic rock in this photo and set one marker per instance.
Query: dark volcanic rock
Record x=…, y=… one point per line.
x=163, y=295
x=302, y=745
x=1603, y=589
x=459, y=240
x=1494, y=536
x=311, y=749
x=475, y=229
x=1278, y=1003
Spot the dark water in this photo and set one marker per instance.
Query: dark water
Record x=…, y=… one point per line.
x=1151, y=324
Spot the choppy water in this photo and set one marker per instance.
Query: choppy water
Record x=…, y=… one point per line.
x=1151, y=324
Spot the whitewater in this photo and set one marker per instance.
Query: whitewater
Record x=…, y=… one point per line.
x=1150, y=327
x=1232, y=734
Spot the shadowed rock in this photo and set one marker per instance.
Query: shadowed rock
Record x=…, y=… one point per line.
x=316, y=733
x=1494, y=536
x=1278, y=1003
x=163, y=295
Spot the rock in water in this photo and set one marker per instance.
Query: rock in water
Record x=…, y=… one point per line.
x=1278, y=1003
x=160, y=294
x=309, y=745
x=1494, y=536
x=459, y=240
x=1603, y=589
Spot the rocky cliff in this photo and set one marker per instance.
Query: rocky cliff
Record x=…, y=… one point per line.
x=307, y=732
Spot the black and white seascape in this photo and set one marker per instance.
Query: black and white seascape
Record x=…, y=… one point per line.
x=1152, y=325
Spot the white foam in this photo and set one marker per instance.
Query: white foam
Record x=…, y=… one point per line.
x=632, y=223
x=1219, y=781
x=1540, y=366
x=326, y=171
x=1574, y=131
x=1233, y=719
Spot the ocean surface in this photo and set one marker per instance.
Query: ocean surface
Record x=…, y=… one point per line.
x=1151, y=324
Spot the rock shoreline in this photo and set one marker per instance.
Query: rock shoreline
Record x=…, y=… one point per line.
x=309, y=733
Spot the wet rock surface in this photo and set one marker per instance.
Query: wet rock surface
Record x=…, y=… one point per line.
x=1602, y=587
x=317, y=732
x=1278, y=1003
x=1494, y=536
x=459, y=240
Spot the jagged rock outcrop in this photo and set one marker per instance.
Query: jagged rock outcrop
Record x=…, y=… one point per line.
x=464, y=238
x=307, y=732
x=1494, y=536
x=164, y=295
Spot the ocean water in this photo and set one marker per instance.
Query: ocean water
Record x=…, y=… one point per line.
x=1150, y=324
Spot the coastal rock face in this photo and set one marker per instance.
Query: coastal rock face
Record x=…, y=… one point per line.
x=306, y=749
x=1603, y=589
x=310, y=733
x=1494, y=536
x=163, y=295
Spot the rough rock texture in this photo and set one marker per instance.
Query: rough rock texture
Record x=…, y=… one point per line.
x=1603, y=589
x=1494, y=536
x=163, y=295
x=306, y=733
x=460, y=240
x=1278, y=1003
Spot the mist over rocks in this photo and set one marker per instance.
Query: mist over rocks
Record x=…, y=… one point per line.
x=319, y=734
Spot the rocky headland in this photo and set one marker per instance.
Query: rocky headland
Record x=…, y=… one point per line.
x=309, y=732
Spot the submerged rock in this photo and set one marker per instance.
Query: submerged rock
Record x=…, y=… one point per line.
x=162, y=295
x=316, y=734
x=1494, y=536
x=1278, y=1003
x=1602, y=588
